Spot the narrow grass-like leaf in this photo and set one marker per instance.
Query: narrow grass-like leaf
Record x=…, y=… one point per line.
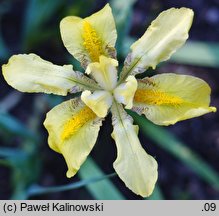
x=19, y=193
x=9, y=152
x=25, y=171
x=38, y=190
x=11, y=125
x=22, y=163
x=122, y=11
x=38, y=13
x=128, y=41
x=157, y=194
x=10, y=101
x=4, y=162
x=172, y=145
x=4, y=51
x=198, y=53
x=104, y=190
x=77, y=8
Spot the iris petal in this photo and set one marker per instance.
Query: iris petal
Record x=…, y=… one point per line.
x=136, y=168
x=30, y=73
x=168, y=98
x=124, y=93
x=86, y=39
x=98, y=101
x=73, y=129
x=104, y=72
x=167, y=33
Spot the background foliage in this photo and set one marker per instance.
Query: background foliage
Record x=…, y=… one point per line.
x=187, y=153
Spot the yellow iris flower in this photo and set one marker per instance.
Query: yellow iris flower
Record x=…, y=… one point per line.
x=165, y=99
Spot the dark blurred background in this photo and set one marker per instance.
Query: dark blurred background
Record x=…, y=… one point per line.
x=187, y=153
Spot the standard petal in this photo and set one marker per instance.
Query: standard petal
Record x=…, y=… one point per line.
x=124, y=93
x=73, y=129
x=99, y=101
x=165, y=35
x=168, y=98
x=87, y=39
x=30, y=73
x=134, y=166
x=104, y=72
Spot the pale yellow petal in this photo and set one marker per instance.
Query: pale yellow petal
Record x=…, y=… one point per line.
x=87, y=39
x=73, y=129
x=104, y=72
x=168, y=98
x=125, y=92
x=165, y=35
x=30, y=73
x=99, y=101
x=136, y=168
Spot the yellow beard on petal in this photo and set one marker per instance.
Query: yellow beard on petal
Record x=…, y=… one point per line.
x=92, y=42
x=156, y=97
x=78, y=120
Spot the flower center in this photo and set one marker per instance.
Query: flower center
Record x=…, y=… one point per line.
x=77, y=121
x=155, y=97
x=92, y=42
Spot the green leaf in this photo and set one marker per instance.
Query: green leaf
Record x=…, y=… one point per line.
x=198, y=53
x=122, y=11
x=5, y=6
x=157, y=194
x=76, y=8
x=172, y=145
x=23, y=176
x=9, y=152
x=10, y=101
x=22, y=163
x=104, y=190
x=4, y=51
x=38, y=190
x=128, y=41
x=4, y=162
x=38, y=12
x=11, y=125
